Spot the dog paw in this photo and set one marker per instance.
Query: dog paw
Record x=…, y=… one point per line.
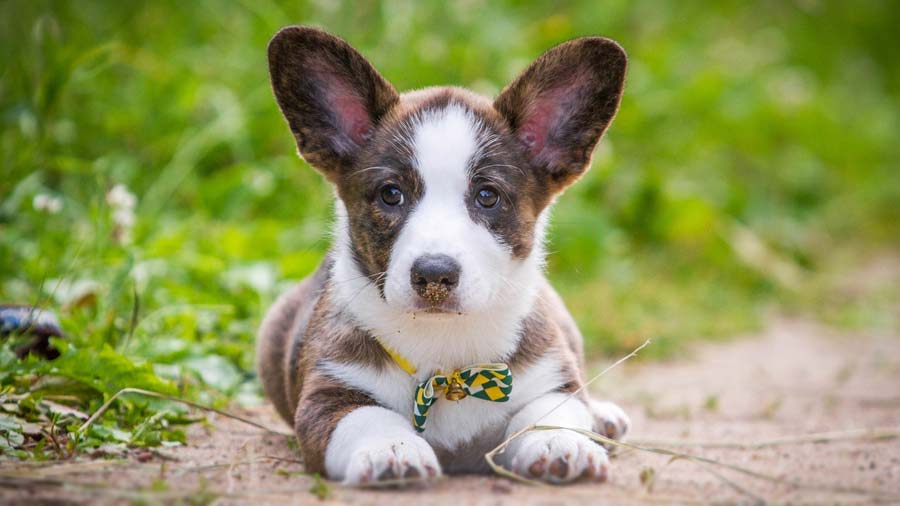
x=392, y=460
x=609, y=420
x=559, y=456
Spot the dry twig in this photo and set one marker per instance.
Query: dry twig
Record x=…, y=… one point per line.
x=867, y=434
x=97, y=414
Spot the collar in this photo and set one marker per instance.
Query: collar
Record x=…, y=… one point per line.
x=490, y=382
x=399, y=359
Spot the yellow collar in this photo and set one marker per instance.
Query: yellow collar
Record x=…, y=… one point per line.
x=398, y=358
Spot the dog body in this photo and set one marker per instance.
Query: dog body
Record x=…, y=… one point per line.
x=442, y=204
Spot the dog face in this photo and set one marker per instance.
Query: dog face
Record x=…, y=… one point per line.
x=441, y=191
x=445, y=211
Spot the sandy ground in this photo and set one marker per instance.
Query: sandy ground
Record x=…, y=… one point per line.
x=797, y=378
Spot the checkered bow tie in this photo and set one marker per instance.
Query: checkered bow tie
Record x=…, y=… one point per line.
x=490, y=382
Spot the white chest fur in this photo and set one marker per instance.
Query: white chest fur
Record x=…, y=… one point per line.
x=451, y=424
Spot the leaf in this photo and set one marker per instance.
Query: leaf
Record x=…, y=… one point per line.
x=62, y=409
x=648, y=478
x=319, y=488
x=110, y=433
x=215, y=371
x=106, y=370
x=11, y=436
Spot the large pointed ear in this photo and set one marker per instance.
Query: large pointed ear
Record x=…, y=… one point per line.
x=330, y=95
x=561, y=105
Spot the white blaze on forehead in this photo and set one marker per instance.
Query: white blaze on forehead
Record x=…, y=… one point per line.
x=444, y=144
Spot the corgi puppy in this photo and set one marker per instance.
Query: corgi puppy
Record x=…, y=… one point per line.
x=429, y=334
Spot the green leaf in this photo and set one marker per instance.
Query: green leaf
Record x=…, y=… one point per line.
x=215, y=371
x=106, y=370
x=11, y=436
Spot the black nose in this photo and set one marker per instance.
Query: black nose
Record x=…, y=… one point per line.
x=434, y=276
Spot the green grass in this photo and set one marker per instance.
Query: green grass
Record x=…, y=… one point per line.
x=754, y=141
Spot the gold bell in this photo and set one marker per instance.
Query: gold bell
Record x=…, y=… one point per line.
x=455, y=391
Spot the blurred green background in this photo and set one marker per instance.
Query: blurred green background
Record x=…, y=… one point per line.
x=752, y=169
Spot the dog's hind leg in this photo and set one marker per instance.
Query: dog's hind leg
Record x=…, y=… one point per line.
x=609, y=419
x=280, y=340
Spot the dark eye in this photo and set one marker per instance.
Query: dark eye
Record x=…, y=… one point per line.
x=487, y=197
x=391, y=195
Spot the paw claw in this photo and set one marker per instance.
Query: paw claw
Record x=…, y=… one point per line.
x=560, y=467
x=610, y=429
x=392, y=460
x=610, y=421
x=602, y=475
x=559, y=457
x=537, y=469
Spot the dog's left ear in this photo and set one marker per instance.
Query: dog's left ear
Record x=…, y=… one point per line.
x=330, y=95
x=561, y=105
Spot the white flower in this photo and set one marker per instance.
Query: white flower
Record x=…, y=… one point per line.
x=121, y=202
x=120, y=197
x=47, y=203
x=123, y=217
x=262, y=182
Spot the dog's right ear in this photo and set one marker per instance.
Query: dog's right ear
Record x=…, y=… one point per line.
x=330, y=95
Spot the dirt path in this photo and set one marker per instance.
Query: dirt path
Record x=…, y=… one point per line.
x=794, y=379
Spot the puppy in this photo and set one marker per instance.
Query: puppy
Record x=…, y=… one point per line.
x=429, y=333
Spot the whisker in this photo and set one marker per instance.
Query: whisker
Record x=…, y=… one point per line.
x=357, y=294
x=375, y=167
x=490, y=166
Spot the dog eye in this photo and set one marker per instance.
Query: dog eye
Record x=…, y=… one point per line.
x=391, y=195
x=487, y=198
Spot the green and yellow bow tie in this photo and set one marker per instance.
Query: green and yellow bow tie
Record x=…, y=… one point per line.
x=491, y=382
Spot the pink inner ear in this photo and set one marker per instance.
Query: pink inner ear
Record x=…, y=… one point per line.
x=352, y=115
x=349, y=108
x=533, y=132
x=343, y=100
x=543, y=113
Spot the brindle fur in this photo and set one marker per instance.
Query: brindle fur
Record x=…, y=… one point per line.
x=336, y=103
x=305, y=323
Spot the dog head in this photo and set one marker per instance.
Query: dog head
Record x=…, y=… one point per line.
x=442, y=191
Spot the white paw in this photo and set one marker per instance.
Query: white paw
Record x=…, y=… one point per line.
x=558, y=456
x=609, y=419
x=409, y=458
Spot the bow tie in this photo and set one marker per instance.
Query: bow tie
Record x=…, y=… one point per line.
x=490, y=382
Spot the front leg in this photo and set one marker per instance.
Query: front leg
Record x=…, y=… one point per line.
x=344, y=434
x=374, y=444
x=558, y=455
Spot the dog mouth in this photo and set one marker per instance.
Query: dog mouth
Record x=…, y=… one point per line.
x=441, y=311
x=449, y=307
